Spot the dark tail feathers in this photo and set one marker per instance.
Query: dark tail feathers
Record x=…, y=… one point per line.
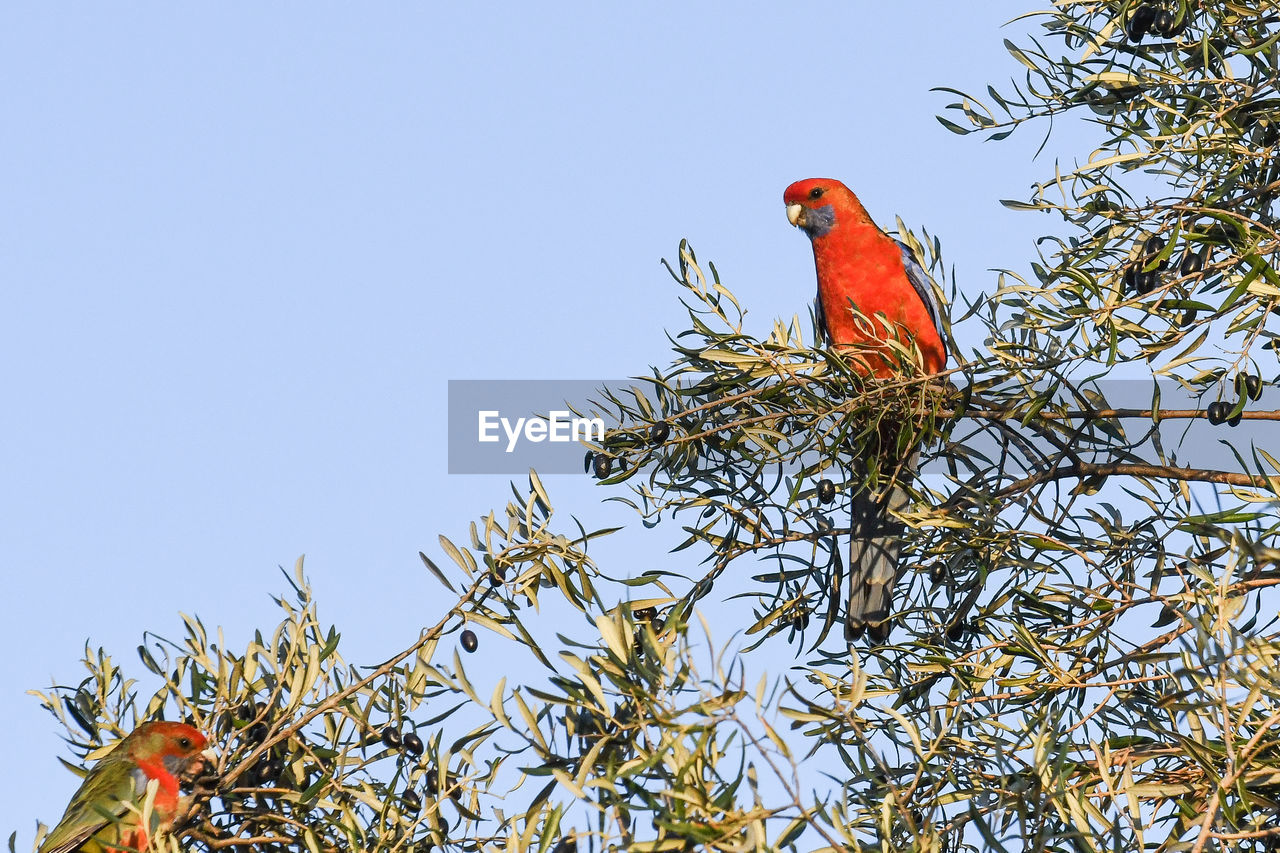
x=873, y=563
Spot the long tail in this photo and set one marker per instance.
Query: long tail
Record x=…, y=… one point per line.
x=873, y=563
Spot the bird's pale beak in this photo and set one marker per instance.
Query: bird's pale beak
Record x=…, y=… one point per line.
x=795, y=214
x=204, y=761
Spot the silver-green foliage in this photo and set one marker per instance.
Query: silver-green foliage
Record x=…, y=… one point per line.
x=1026, y=700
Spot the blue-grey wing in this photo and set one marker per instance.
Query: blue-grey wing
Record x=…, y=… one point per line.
x=821, y=317
x=924, y=287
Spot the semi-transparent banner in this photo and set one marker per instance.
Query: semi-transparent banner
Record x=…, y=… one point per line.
x=507, y=426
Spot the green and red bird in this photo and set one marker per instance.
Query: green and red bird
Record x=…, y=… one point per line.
x=859, y=266
x=105, y=814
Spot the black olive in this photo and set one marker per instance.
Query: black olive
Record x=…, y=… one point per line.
x=1216, y=412
x=1148, y=281
x=1253, y=386
x=1131, y=274
x=637, y=643
x=955, y=631
x=391, y=737
x=566, y=845
x=412, y=744
x=245, y=712
x=1192, y=262
x=1140, y=21
x=800, y=621
x=1152, y=247
x=258, y=733
x=1164, y=22
x=645, y=614
x=586, y=462
x=601, y=465
x=268, y=770
x=260, y=708
x=1189, y=317
x=659, y=432
x=411, y=799
x=938, y=573
x=497, y=574
x=1173, y=25
x=826, y=491
x=469, y=640
x=1234, y=420
x=432, y=782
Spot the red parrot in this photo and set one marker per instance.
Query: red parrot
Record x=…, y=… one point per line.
x=860, y=266
x=99, y=818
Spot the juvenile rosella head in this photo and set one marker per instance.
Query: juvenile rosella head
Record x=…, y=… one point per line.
x=102, y=816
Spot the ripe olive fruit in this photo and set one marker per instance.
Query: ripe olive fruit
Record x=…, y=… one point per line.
x=1253, y=386
x=645, y=614
x=1192, y=262
x=826, y=491
x=659, y=432
x=601, y=466
x=955, y=631
x=1140, y=21
x=469, y=640
x=938, y=573
x=1234, y=420
x=268, y=770
x=412, y=744
x=391, y=737
x=1216, y=412
x=1169, y=24
x=411, y=799
x=1248, y=384
x=1152, y=247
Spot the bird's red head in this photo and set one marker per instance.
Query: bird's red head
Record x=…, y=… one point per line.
x=818, y=205
x=177, y=747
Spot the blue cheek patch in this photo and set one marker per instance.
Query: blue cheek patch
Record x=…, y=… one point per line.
x=819, y=220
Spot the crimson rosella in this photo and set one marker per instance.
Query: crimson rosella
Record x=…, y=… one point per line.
x=105, y=814
x=859, y=266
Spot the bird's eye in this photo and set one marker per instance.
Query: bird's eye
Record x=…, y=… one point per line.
x=816, y=192
x=184, y=742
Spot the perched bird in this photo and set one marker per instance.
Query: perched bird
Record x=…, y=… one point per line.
x=859, y=266
x=99, y=818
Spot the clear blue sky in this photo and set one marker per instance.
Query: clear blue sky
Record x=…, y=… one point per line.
x=244, y=247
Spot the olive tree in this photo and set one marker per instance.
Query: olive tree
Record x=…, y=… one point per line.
x=1086, y=652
